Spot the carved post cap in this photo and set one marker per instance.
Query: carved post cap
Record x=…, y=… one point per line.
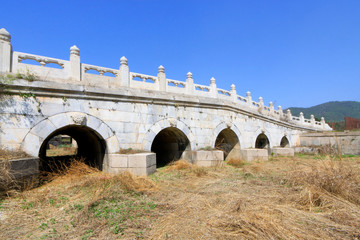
x=261, y=99
x=232, y=87
x=322, y=119
x=301, y=114
x=248, y=94
x=5, y=35
x=279, y=107
x=271, y=104
x=161, y=69
x=123, y=61
x=312, y=117
x=75, y=50
x=189, y=75
x=212, y=80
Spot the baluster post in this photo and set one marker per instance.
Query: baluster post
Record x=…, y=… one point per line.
x=271, y=107
x=75, y=65
x=323, y=123
x=312, y=120
x=288, y=115
x=261, y=103
x=162, y=78
x=213, y=88
x=5, y=50
x=189, y=83
x=248, y=98
x=124, y=72
x=233, y=92
x=281, y=113
x=302, y=119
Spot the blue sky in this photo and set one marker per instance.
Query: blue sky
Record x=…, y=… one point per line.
x=296, y=53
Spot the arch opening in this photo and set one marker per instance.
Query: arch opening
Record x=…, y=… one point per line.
x=262, y=142
x=228, y=142
x=61, y=145
x=89, y=146
x=284, y=143
x=169, y=145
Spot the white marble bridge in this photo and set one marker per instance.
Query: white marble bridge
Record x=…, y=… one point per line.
x=106, y=110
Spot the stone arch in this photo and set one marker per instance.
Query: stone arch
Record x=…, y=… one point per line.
x=170, y=144
x=262, y=141
x=266, y=133
x=220, y=127
x=36, y=136
x=227, y=138
x=91, y=147
x=166, y=123
x=284, y=142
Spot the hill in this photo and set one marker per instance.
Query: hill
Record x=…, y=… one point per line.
x=331, y=111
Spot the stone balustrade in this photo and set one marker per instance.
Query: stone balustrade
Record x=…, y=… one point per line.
x=75, y=72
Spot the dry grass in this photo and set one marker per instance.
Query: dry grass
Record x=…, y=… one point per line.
x=8, y=185
x=324, y=177
x=236, y=162
x=188, y=167
x=6, y=154
x=80, y=202
x=179, y=165
x=61, y=151
x=285, y=198
x=130, y=151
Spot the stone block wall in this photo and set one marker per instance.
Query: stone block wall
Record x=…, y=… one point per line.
x=208, y=158
x=254, y=154
x=347, y=142
x=289, y=152
x=139, y=164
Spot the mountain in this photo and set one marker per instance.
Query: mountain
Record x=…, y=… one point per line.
x=331, y=111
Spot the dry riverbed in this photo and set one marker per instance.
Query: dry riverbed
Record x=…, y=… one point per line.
x=305, y=197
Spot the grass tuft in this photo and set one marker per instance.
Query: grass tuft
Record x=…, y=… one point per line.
x=236, y=162
x=179, y=165
x=334, y=177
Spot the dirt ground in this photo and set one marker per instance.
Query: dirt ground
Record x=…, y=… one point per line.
x=305, y=197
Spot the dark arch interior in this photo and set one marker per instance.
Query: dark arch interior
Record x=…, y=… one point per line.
x=169, y=145
x=90, y=146
x=262, y=142
x=284, y=142
x=228, y=142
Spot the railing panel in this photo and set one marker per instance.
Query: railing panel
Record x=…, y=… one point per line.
x=202, y=90
x=43, y=71
x=86, y=69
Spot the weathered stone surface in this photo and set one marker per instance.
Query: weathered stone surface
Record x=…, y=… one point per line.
x=118, y=160
x=143, y=171
x=207, y=158
x=142, y=160
x=112, y=144
x=254, y=154
x=43, y=129
x=24, y=167
x=59, y=120
x=283, y=152
x=348, y=142
x=139, y=164
x=31, y=144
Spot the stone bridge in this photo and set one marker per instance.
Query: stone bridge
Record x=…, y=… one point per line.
x=106, y=110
